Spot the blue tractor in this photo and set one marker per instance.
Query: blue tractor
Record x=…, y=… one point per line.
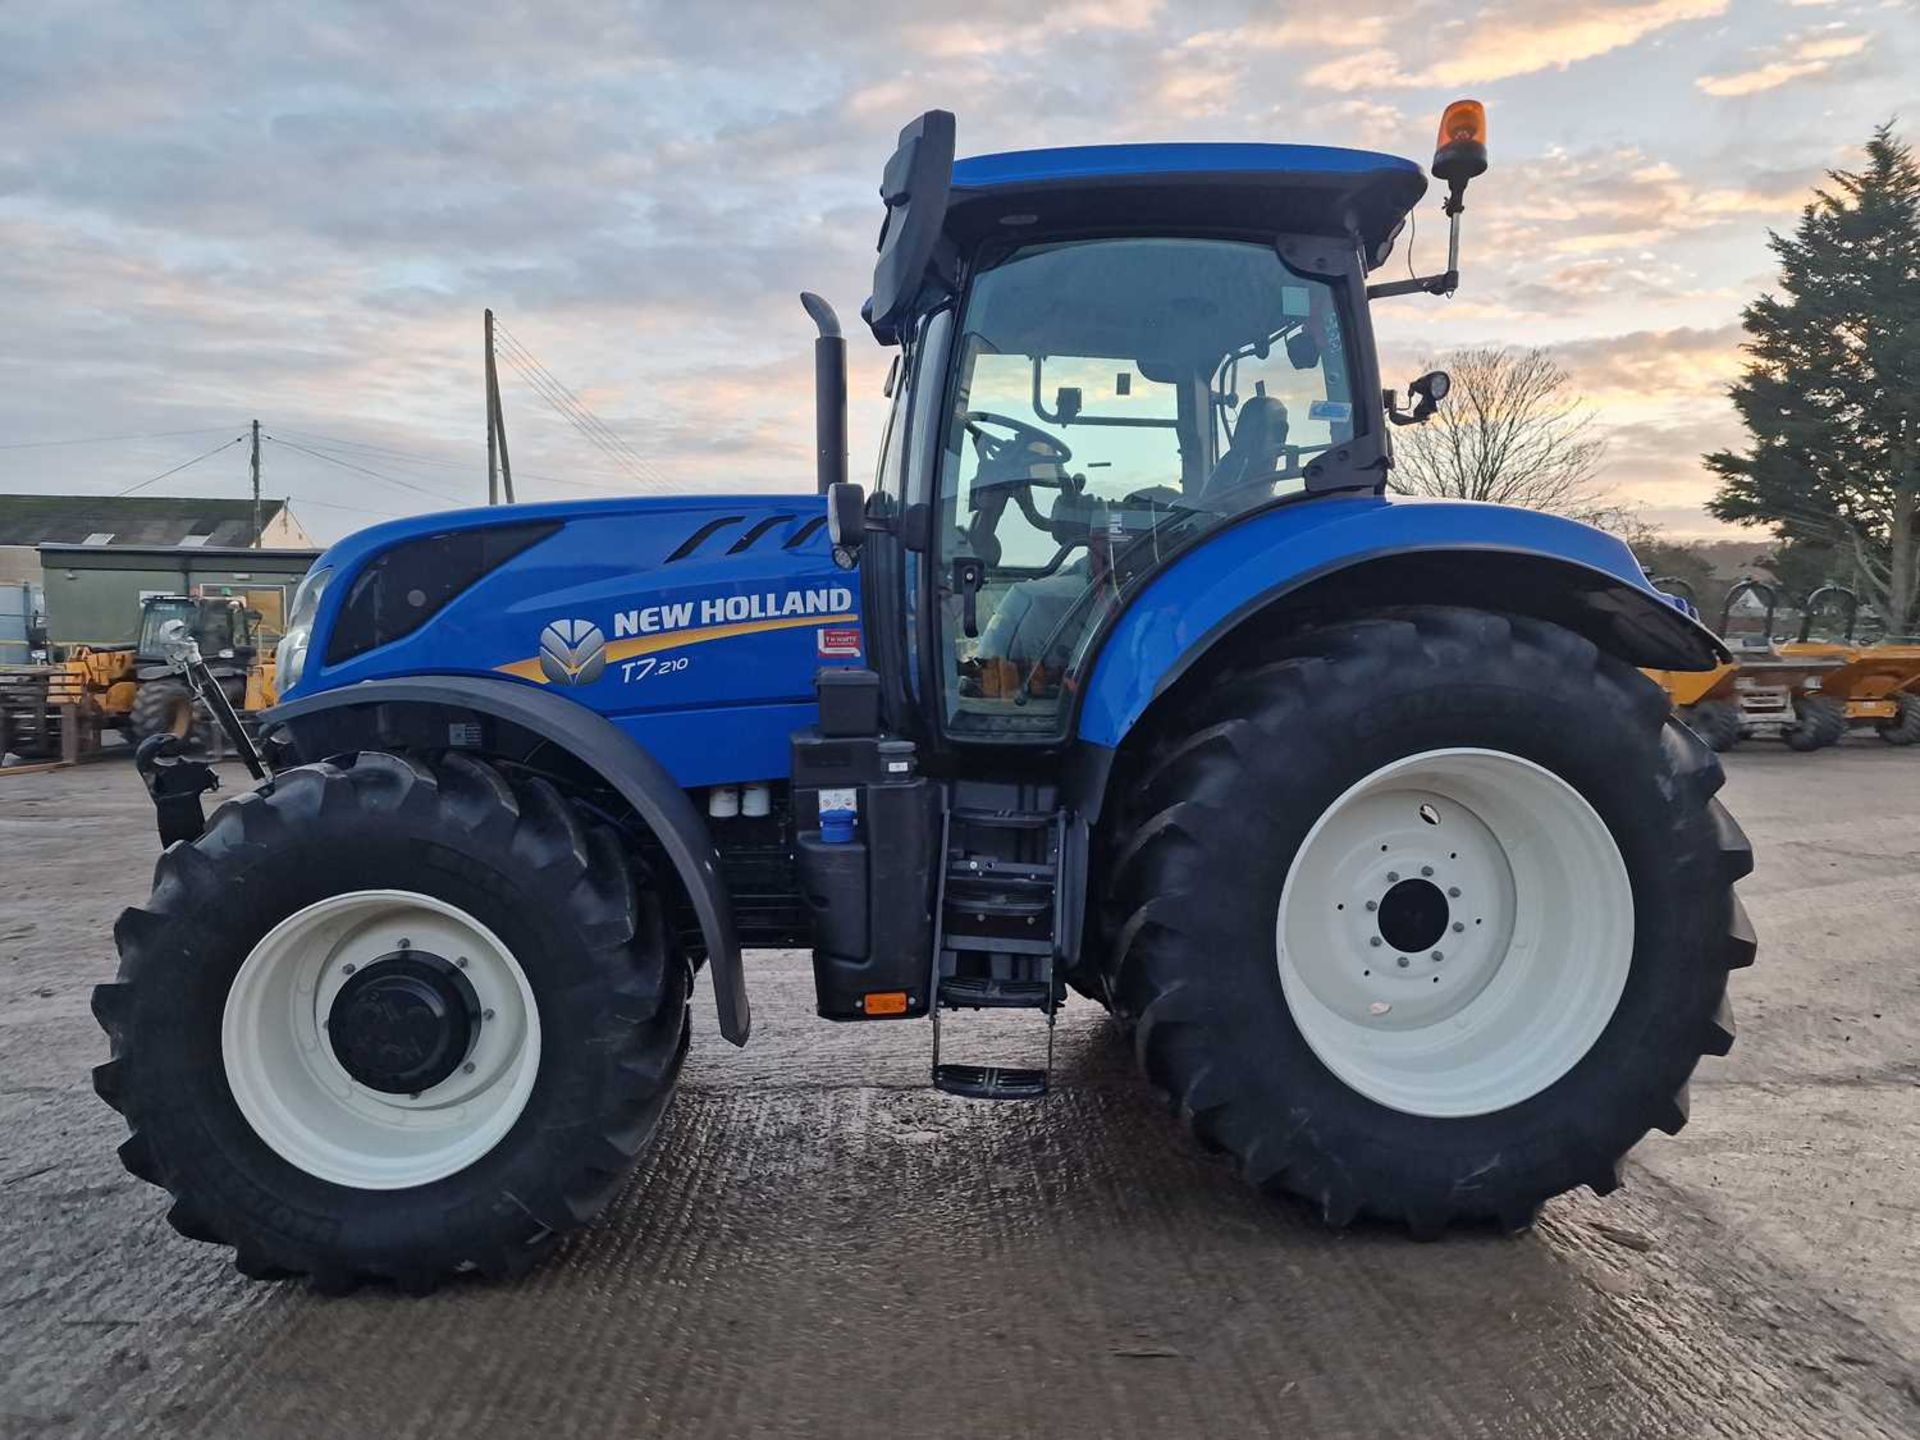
x=1127, y=675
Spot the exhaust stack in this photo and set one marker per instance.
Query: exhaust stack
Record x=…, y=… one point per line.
x=829, y=394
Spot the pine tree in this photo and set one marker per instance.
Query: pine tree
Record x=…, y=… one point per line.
x=1831, y=393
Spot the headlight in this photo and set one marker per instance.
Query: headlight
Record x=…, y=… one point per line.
x=290, y=657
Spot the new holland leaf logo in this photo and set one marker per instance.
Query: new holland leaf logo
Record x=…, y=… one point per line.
x=572, y=652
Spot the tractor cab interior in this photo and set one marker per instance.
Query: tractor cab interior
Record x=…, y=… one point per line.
x=220, y=627
x=1112, y=399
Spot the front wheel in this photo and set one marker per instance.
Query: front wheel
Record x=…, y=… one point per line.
x=1904, y=727
x=1427, y=916
x=392, y=1019
x=165, y=707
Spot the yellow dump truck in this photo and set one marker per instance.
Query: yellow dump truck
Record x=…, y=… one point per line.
x=1878, y=683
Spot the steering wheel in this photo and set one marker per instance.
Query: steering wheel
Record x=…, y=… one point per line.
x=1005, y=473
x=995, y=450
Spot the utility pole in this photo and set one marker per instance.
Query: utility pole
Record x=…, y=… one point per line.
x=499, y=465
x=256, y=484
x=493, y=458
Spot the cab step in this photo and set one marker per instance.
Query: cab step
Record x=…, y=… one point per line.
x=990, y=1082
x=989, y=992
x=1000, y=925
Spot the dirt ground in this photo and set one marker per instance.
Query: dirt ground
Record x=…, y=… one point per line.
x=821, y=1246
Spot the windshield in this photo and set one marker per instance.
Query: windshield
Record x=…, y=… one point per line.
x=1112, y=397
x=211, y=626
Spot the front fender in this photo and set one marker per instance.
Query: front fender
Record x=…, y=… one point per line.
x=1366, y=552
x=360, y=715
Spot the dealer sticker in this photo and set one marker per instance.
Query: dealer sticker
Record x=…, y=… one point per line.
x=838, y=642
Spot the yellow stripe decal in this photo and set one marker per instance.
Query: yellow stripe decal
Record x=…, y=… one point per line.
x=674, y=639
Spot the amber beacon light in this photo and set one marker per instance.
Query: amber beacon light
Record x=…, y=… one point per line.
x=1460, y=152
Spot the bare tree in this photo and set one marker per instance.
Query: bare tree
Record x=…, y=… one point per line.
x=1511, y=430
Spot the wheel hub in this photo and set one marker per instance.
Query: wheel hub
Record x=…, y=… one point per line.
x=404, y=1023
x=1413, y=915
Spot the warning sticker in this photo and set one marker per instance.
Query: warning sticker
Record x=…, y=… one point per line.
x=838, y=642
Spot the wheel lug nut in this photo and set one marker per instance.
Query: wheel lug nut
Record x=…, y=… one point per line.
x=1454, y=891
x=405, y=944
x=467, y=1068
x=1392, y=876
x=1438, y=956
x=1458, y=926
x=346, y=969
x=1402, y=962
x=1375, y=942
x=1373, y=904
x=486, y=1014
x=1426, y=870
x=461, y=962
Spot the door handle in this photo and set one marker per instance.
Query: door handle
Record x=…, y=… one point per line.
x=968, y=576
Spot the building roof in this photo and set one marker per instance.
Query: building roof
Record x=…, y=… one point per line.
x=131, y=520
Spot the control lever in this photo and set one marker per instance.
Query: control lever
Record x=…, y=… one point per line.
x=968, y=576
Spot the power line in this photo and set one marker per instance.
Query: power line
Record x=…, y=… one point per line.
x=414, y=457
x=574, y=409
x=142, y=484
x=362, y=469
x=106, y=439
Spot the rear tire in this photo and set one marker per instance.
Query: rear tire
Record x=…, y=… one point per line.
x=1227, y=816
x=246, y=1104
x=1904, y=728
x=1822, y=722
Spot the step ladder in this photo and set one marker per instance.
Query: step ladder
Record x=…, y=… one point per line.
x=1000, y=933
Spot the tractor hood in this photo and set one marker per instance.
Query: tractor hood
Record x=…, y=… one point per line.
x=657, y=613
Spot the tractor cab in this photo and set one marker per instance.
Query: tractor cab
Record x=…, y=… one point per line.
x=1108, y=354
x=222, y=626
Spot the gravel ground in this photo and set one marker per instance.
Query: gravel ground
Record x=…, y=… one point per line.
x=821, y=1246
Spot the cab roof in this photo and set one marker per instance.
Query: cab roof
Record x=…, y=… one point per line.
x=1305, y=189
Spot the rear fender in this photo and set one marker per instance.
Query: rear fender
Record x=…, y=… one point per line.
x=1325, y=558
x=443, y=710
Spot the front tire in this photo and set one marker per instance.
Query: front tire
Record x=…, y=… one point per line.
x=324, y=1090
x=1904, y=728
x=1717, y=722
x=1536, y=790
x=166, y=707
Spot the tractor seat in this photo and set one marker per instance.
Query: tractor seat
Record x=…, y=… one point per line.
x=1259, y=438
x=1029, y=614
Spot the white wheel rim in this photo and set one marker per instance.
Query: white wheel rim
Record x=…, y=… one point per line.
x=1529, y=961
x=299, y=1098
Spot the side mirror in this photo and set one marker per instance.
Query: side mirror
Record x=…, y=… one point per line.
x=914, y=189
x=1066, y=403
x=846, y=515
x=1427, y=392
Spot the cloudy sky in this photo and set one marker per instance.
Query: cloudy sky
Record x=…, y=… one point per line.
x=212, y=210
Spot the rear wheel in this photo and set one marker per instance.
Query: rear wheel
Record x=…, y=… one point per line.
x=392, y=1020
x=1822, y=721
x=1904, y=727
x=1429, y=916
